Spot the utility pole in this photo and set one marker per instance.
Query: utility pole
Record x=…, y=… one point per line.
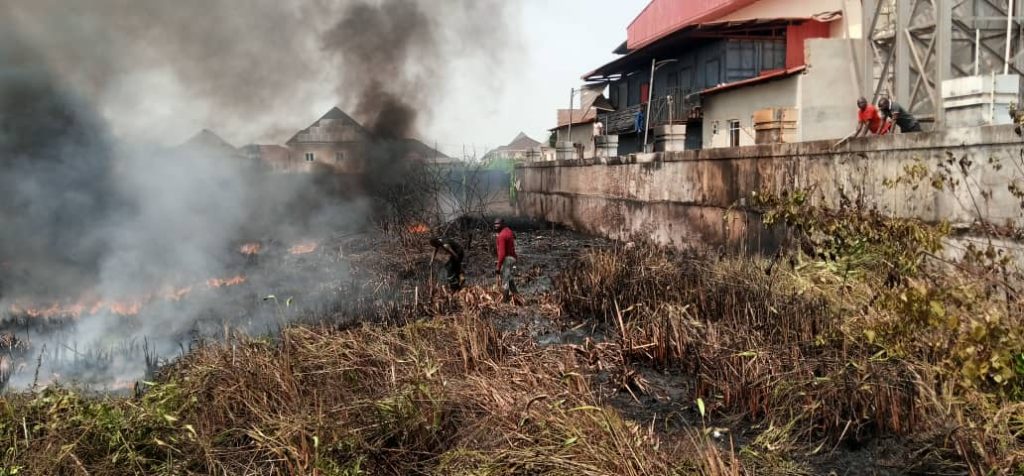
x=650, y=97
x=572, y=98
x=1009, y=36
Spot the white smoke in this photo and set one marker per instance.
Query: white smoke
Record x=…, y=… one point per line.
x=95, y=208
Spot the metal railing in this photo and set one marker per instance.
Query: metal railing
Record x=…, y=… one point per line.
x=673, y=108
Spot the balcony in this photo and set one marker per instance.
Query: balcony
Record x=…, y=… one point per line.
x=674, y=108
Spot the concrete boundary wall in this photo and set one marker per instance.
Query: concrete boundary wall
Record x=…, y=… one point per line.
x=696, y=197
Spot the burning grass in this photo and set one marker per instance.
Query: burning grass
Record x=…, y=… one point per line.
x=781, y=366
x=443, y=397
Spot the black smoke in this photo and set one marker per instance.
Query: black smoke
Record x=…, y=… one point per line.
x=86, y=209
x=56, y=190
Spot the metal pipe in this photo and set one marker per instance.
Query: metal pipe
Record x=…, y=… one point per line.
x=992, y=101
x=572, y=97
x=650, y=97
x=977, y=50
x=1009, y=35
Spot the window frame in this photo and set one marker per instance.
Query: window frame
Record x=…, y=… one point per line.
x=734, y=132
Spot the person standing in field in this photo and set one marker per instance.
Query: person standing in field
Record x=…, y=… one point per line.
x=453, y=267
x=506, y=246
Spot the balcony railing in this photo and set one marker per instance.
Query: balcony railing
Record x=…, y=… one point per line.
x=673, y=108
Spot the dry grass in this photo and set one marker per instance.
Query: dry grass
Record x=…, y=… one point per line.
x=833, y=360
x=810, y=358
x=450, y=396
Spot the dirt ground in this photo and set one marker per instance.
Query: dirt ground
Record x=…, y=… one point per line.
x=344, y=276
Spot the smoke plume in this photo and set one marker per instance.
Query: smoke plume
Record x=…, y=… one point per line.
x=93, y=204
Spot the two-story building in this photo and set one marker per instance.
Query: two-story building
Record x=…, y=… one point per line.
x=711, y=65
x=336, y=141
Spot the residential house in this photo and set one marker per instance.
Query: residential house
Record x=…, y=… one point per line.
x=521, y=149
x=277, y=157
x=580, y=126
x=718, y=62
x=207, y=142
x=335, y=139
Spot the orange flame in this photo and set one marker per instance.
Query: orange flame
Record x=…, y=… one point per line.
x=129, y=308
x=220, y=283
x=124, y=308
x=176, y=294
x=303, y=248
x=251, y=249
x=419, y=229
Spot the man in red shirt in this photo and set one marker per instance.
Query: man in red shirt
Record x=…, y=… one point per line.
x=868, y=119
x=506, y=244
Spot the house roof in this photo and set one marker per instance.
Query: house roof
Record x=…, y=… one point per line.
x=521, y=142
x=334, y=115
x=338, y=114
x=208, y=141
x=579, y=116
x=208, y=138
x=418, y=149
x=668, y=45
x=763, y=78
x=664, y=17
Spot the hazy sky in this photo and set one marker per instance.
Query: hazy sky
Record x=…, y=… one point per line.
x=554, y=43
x=159, y=72
x=558, y=41
x=562, y=40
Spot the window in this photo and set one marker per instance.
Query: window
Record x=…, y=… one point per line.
x=633, y=82
x=712, y=73
x=310, y=157
x=339, y=156
x=734, y=133
x=686, y=79
x=645, y=92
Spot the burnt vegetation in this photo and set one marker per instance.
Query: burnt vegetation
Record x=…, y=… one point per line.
x=861, y=350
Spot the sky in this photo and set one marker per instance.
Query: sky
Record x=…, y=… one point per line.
x=552, y=45
x=562, y=40
x=160, y=72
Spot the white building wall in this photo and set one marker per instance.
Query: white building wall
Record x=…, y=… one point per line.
x=828, y=90
x=824, y=95
x=582, y=134
x=739, y=104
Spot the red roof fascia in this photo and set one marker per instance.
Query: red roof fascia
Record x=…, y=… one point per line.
x=763, y=78
x=664, y=17
x=694, y=27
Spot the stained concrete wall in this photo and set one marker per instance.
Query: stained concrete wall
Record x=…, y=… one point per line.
x=697, y=197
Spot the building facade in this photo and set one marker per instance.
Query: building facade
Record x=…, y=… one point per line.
x=716, y=63
x=335, y=140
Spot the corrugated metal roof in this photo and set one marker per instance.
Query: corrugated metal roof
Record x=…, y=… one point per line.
x=663, y=17
x=768, y=76
x=579, y=116
x=644, y=54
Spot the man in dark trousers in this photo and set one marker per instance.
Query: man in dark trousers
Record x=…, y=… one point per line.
x=506, y=244
x=453, y=267
x=895, y=114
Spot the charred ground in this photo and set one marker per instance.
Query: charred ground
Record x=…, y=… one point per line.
x=621, y=359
